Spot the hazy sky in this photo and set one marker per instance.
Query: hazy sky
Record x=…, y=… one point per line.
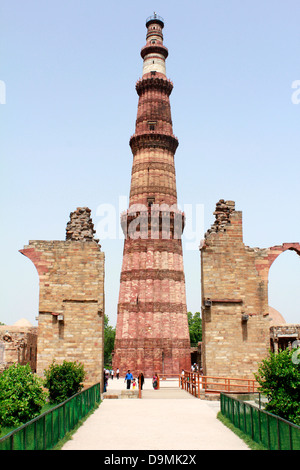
x=69, y=68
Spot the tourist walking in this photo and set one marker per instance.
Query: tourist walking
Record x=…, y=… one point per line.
x=105, y=380
x=201, y=374
x=155, y=381
x=141, y=380
x=118, y=373
x=182, y=377
x=128, y=379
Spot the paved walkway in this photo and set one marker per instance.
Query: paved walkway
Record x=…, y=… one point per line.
x=165, y=419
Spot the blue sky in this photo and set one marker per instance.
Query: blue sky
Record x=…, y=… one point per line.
x=70, y=69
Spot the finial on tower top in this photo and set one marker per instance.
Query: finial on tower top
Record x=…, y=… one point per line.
x=155, y=18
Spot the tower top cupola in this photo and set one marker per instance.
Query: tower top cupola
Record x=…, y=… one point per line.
x=155, y=19
x=154, y=52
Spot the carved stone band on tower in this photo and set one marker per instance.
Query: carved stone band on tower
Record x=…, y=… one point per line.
x=152, y=332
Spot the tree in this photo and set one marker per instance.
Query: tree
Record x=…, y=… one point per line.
x=64, y=380
x=279, y=378
x=195, y=327
x=21, y=395
x=109, y=341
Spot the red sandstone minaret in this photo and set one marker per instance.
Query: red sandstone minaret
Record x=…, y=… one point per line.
x=152, y=332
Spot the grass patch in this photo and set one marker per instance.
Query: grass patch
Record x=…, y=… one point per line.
x=5, y=430
x=248, y=441
x=68, y=435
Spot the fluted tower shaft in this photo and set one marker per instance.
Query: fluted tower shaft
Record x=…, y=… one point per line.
x=152, y=332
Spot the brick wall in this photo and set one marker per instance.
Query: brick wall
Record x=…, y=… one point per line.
x=284, y=336
x=71, y=300
x=236, y=325
x=18, y=345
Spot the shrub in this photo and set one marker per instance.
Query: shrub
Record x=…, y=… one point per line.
x=279, y=378
x=109, y=340
x=21, y=395
x=64, y=380
x=195, y=327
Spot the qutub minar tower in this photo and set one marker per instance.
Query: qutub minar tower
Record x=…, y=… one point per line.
x=152, y=332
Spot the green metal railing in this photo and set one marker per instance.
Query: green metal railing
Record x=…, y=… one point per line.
x=45, y=431
x=267, y=429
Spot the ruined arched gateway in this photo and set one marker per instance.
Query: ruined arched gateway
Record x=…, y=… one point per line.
x=235, y=308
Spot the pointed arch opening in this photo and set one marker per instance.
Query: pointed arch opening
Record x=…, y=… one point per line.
x=283, y=286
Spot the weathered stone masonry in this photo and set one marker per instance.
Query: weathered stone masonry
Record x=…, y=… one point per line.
x=235, y=310
x=71, y=299
x=18, y=344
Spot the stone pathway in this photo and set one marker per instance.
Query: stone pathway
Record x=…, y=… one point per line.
x=165, y=419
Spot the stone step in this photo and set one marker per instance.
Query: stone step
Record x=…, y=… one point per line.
x=107, y=395
x=116, y=394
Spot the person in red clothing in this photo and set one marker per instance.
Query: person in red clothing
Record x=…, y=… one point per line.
x=155, y=381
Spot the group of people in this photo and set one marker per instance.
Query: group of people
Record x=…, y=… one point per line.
x=195, y=368
x=129, y=379
x=109, y=373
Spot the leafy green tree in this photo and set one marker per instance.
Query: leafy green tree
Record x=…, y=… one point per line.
x=109, y=341
x=21, y=395
x=195, y=327
x=64, y=380
x=279, y=378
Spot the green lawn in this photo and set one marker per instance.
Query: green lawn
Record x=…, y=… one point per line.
x=4, y=431
x=248, y=441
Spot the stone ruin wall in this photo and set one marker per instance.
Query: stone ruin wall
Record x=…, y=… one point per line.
x=284, y=336
x=235, y=311
x=18, y=345
x=71, y=299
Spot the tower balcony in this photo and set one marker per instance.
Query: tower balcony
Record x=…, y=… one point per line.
x=154, y=49
x=153, y=140
x=156, y=81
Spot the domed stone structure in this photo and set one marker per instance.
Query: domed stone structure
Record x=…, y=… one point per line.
x=23, y=322
x=275, y=317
